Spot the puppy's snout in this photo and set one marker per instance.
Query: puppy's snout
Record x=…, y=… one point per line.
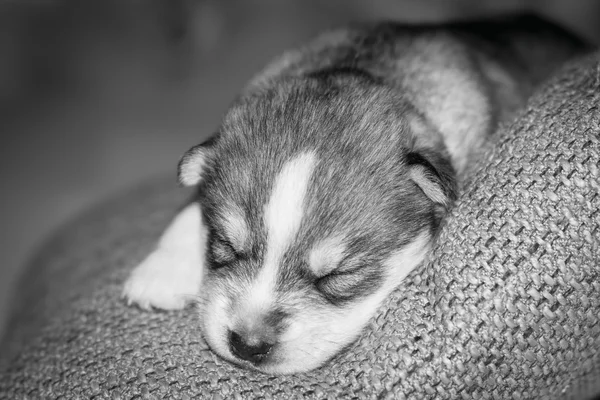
x=253, y=350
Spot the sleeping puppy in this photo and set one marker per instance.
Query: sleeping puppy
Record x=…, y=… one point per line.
x=329, y=177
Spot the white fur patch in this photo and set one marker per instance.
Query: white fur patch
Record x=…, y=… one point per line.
x=440, y=84
x=326, y=255
x=283, y=215
x=235, y=226
x=216, y=319
x=172, y=274
x=461, y=114
x=403, y=261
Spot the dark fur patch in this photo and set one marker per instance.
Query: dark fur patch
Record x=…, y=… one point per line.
x=276, y=319
x=343, y=71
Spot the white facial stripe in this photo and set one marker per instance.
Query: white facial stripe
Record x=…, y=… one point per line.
x=326, y=255
x=284, y=210
x=283, y=215
x=236, y=229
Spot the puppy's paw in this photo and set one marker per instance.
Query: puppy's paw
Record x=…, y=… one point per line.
x=165, y=280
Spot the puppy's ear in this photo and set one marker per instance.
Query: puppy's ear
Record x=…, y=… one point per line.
x=429, y=163
x=433, y=173
x=193, y=164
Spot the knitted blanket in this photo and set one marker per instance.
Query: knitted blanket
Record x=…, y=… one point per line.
x=507, y=308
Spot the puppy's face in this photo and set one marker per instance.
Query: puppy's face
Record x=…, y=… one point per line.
x=318, y=201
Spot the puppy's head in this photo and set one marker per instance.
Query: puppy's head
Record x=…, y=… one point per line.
x=320, y=195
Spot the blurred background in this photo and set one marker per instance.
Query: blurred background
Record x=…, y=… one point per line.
x=96, y=97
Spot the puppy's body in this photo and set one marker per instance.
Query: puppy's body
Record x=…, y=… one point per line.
x=329, y=177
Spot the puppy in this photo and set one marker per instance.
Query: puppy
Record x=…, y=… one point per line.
x=329, y=177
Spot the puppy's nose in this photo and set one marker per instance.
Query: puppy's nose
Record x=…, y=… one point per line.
x=253, y=352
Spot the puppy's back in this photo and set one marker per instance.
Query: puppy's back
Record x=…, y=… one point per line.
x=464, y=78
x=529, y=46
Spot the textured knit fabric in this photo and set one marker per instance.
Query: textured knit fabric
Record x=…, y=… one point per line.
x=507, y=308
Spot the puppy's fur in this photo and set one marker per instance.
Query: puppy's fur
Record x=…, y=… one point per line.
x=328, y=178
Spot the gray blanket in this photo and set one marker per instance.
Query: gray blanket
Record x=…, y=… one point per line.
x=507, y=308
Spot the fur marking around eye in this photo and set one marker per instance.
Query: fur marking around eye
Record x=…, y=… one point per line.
x=326, y=255
x=235, y=227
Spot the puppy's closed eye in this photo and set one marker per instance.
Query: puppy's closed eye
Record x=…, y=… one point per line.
x=338, y=286
x=348, y=283
x=222, y=252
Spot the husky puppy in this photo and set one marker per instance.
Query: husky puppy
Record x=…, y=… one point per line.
x=327, y=181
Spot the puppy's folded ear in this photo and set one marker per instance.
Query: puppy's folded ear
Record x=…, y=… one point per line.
x=430, y=165
x=433, y=173
x=194, y=163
